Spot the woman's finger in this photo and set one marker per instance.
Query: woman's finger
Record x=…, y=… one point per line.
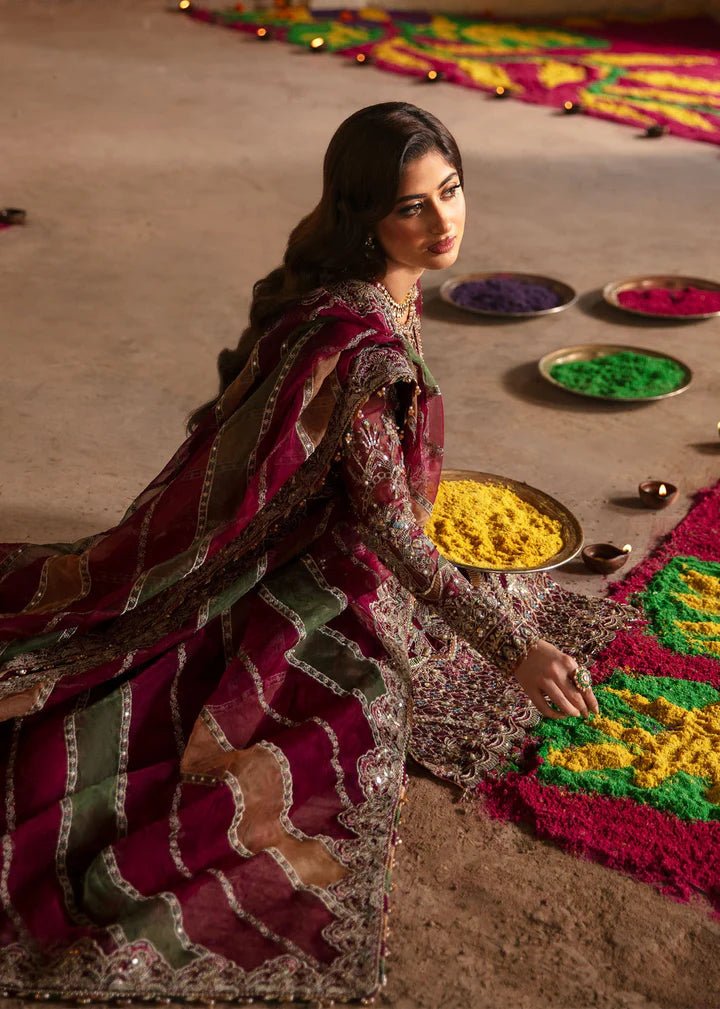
x=591, y=701
x=542, y=705
x=558, y=698
x=576, y=697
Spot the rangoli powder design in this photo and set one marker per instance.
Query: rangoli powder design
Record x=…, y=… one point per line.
x=637, y=787
x=639, y=73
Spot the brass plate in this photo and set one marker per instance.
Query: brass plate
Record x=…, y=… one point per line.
x=564, y=291
x=589, y=351
x=671, y=282
x=570, y=528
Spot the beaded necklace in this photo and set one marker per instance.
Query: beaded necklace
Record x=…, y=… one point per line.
x=404, y=315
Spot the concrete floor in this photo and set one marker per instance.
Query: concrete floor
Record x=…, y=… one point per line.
x=163, y=162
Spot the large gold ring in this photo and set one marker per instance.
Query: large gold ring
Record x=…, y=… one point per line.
x=582, y=679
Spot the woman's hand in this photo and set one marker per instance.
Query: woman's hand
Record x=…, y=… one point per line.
x=545, y=674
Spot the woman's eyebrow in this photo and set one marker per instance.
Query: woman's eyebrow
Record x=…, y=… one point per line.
x=421, y=196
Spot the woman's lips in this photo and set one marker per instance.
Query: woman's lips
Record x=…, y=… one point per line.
x=440, y=247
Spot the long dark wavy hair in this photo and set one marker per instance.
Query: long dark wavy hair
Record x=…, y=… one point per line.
x=361, y=175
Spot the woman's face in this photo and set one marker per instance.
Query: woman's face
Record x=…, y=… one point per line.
x=424, y=229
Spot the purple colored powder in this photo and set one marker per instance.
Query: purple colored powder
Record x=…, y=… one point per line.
x=504, y=295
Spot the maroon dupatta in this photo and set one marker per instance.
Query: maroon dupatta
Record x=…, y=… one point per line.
x=207, y=705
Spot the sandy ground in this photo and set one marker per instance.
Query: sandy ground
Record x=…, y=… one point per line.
x=162, y=163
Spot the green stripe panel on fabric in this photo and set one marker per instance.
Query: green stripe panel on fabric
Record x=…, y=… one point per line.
x=98, y=745
x=338, y=662
x=97, y=732
x=295, y=587
x=109, y=898
x=239, y=588
x=96, y=742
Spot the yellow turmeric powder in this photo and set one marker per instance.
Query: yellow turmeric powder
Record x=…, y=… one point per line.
x=490, y=526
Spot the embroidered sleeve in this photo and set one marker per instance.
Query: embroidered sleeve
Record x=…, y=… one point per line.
x=374, y=474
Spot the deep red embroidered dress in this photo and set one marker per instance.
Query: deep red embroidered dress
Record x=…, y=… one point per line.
x=206, y=709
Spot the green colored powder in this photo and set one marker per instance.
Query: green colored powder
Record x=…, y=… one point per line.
x=621, y=375
x=683, y=794
x=682, y=603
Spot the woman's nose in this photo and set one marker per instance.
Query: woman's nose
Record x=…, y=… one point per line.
x=441, y=220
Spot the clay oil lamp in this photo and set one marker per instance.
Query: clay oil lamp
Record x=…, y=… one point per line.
x=501, y=92
x=657, y=493
x=361, y=59
x=262, y=34
x=317, y=44
x=572, y=108
x=433, y=76
x=604, y=558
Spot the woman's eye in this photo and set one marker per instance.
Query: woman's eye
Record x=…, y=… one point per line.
x=415, y=208
x=410, y=211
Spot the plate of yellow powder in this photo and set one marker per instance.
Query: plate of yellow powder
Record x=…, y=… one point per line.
x=485, y=522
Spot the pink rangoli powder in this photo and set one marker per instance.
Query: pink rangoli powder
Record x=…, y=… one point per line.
x=671, y=301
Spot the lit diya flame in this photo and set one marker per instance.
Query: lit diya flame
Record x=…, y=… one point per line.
x=184, y=5
x=317, y=43
x=432, y=75
x=362, y=58
x=501, y=92
x=627, y=548
x=718, y=426
x=261, y=33
x=654, y=494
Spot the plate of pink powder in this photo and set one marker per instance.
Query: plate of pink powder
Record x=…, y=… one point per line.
x=665, y=297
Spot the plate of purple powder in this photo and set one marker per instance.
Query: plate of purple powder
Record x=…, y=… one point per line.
x=520, y=295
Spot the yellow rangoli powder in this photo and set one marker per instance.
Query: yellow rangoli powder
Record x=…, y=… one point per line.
x=490, y=526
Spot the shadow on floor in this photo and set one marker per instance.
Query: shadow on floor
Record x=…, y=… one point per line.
x=575, y=567
x=706, y=447
x=38, y=525
x=627, y=501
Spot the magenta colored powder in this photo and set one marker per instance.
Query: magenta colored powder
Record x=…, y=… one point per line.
x=677, y=857
x=669, y=301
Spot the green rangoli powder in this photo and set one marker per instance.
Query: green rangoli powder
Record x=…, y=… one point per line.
x=625, y=374
x=689, y=796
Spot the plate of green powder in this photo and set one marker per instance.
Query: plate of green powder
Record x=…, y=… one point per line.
x=616, y=372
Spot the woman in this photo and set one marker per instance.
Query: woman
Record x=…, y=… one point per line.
x=208, y=707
